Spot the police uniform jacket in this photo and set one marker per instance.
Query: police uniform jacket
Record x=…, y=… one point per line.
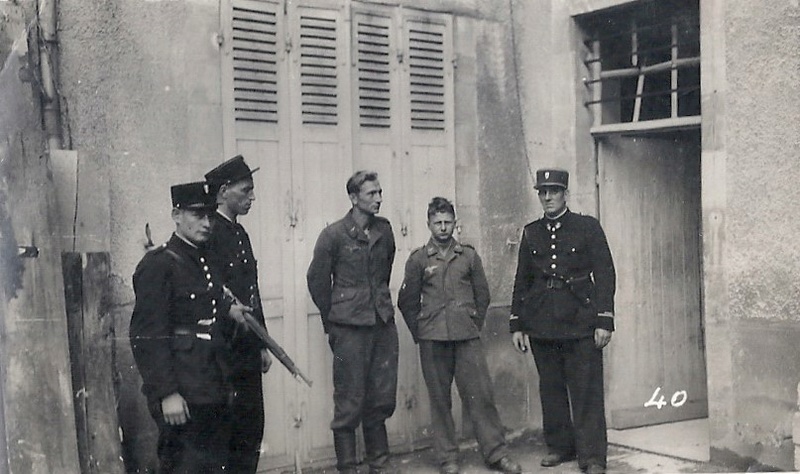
x=179, y=325
x=231, y=250
x=565, y=278
x=444, y=297
x=349, y=274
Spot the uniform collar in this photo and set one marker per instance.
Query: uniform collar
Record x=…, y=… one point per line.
x=558, y=217
x=433, y=249
x=356, y=232
x=224, y=216
x=181, y=245
x=185, y=241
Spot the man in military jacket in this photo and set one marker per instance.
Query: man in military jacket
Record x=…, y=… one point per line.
x=348, y=279
x=229, y=247
x=444, y=298
x=562, y=310
x=179, y=333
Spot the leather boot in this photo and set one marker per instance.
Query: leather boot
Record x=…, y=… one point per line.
x=344, y=443
x=376, y=444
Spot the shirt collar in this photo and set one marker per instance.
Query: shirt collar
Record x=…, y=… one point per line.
x=433, y=249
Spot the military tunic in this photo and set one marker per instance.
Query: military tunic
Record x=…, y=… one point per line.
x=563, y=291
x=178, y=334
x=565, y=279
x=232, y=252
x=444, y=298
x=348, y=279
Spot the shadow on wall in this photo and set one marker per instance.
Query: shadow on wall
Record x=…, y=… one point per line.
x=516, y=383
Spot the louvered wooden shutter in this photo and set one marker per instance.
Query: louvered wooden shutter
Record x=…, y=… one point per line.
x=318, y=70
x=426, y=58
x=255, y=79
x=373, y=70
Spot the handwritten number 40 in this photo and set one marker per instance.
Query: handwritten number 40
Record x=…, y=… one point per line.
x=677, y=400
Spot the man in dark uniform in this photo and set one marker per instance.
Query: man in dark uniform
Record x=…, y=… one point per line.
x=562, y=310
x=349, y=282
x=179, y=336
x=444, y=299
x=230, y=249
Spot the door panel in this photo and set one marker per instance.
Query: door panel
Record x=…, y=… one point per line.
x=314, y=90
x=255, y=125
x=649, y=208
x=321, y=153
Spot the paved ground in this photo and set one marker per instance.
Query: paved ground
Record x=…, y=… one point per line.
x=529, y=449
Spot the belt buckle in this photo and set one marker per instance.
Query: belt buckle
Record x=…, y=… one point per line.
x=555, y=283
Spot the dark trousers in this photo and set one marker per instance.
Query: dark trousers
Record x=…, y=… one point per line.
x=364, y=373
x=465, y=361
x=199, y=446
x=364, y=388
x=248, y=423
x=572, y=371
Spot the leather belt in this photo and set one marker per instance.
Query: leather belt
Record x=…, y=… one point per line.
x=557, y=283
x=188, y=332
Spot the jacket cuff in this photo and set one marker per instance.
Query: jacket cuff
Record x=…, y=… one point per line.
x=514, y=324
x=605, y=321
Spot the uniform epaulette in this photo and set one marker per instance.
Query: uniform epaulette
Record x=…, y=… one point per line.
x=469, y=246
x=418, y=249
x=157, y=250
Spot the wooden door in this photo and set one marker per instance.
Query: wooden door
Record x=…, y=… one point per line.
x=650, y=210
x=427, y=162
x=316, y=90
x=321, y=153
x=256, y=124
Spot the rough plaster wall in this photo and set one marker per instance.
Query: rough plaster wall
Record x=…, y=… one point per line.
x=761, y=254
x=763, y=55
x=505, y=181
x=504, y=205
x=142, y=89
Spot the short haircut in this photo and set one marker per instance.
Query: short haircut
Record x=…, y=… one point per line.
x=440, y=204
x=358, y=178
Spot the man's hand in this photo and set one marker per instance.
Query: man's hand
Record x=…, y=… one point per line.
x=266, y=361
x=601, y=338
x=175, y=409
x=521, y=341
x=237, y=312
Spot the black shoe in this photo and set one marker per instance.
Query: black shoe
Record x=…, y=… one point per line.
x=595, y=469
x=506, y=465
x=554, y=459
x=450, y=467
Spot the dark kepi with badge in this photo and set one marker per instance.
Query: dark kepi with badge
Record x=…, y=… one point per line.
x=193, y=196
x=552, y=177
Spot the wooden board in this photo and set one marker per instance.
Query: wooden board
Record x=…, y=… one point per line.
x=92, y=357
x=650, y=210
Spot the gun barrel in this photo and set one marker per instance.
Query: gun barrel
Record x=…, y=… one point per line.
x=275, y=348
